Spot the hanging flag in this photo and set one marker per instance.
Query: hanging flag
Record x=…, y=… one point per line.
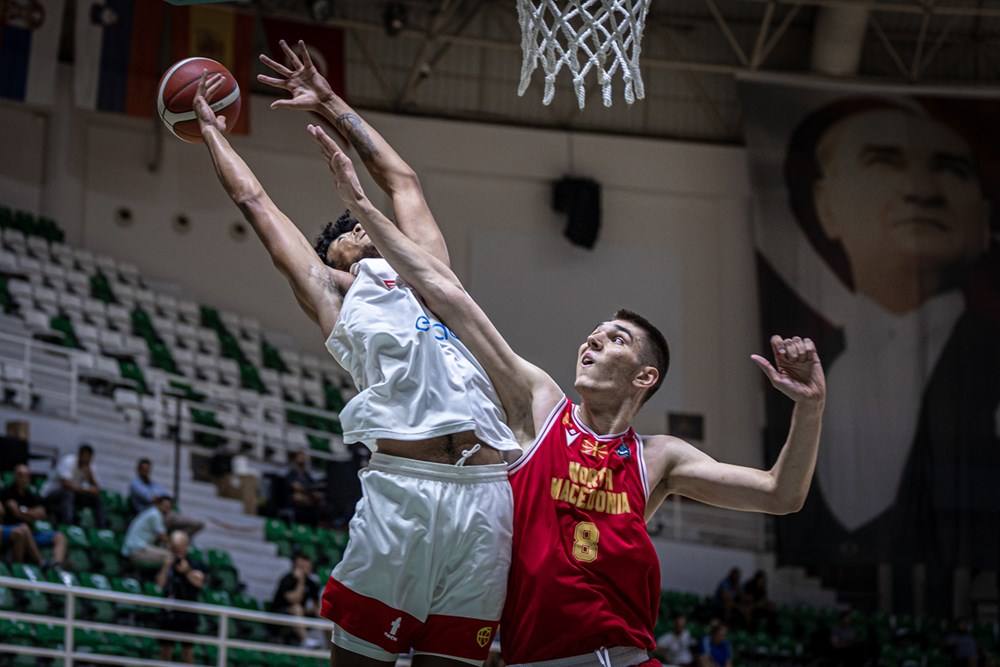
x=124, y=46
x=118, y=55
x=29, y=49
x=326, y=47
x=221, y=34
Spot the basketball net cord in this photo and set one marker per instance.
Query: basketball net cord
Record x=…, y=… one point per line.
x=605, y=35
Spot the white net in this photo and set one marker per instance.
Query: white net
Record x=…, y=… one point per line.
x=581, y=35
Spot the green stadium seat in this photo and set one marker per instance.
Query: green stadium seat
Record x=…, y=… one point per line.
x=7, y=601
x=76, y=537
x=105, y=540
x=108, y=563
x=276, y=530
x=303, y=534
x=102, y=611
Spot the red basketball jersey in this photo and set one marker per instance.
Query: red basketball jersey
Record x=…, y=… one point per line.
x=584, y=573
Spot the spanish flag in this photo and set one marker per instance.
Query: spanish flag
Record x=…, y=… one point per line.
x=220, y=34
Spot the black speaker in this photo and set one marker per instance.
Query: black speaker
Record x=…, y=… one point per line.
x=580, y=200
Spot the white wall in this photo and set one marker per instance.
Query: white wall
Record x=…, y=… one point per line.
x=675, y=244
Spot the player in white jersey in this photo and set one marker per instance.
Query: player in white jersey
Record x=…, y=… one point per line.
x=429, y=550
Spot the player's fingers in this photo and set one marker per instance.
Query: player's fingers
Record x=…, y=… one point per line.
x=282, y=103
x=794, y=350
x=213, y=85
x=221, y=120
x=201, y=83
x=810, y=348
x=306, y=58
x=293, y=59
x=275, y=65
x=765, y=366
x=777, y=346
x=272, y=81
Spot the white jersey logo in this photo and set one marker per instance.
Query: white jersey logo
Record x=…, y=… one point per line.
x=571, y=436
x=393, y=629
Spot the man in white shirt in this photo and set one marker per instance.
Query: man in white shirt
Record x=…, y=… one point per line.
x=674, y=647
x=72, y=484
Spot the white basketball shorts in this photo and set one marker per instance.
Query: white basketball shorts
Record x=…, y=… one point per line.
x=426, y=564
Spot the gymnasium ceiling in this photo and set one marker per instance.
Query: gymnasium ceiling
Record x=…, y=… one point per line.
x=462, y=58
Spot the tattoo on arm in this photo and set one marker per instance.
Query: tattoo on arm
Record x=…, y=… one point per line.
x=351, y=125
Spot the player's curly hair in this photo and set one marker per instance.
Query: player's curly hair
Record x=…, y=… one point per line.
x=345, y=223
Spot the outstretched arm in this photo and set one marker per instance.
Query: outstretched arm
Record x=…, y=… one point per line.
x=311, y=92
x=687, y=471
x=317, y=287
x=527, y=393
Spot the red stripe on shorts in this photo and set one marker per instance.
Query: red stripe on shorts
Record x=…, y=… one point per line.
x=368, y=619
x=456, y=636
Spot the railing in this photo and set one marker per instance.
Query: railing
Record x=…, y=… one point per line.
x=221, y=640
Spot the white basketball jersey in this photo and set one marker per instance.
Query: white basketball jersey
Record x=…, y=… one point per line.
x=415, y=379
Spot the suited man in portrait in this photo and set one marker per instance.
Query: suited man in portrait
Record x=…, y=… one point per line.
x=893, y=200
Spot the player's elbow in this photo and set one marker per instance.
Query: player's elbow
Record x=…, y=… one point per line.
x=250, y=198
x=403, y=180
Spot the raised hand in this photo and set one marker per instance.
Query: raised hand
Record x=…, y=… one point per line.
x=306, y=85
x=345, y=179
x=207, y=87
x=797, y=373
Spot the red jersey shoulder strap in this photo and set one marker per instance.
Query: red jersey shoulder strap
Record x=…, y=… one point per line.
x=550, y=421
x=642, y=464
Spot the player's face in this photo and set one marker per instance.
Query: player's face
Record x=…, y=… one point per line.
x=609, y=358
x=349, y=248
x=899, y=187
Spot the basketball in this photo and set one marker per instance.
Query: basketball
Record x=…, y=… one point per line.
x=176, y=91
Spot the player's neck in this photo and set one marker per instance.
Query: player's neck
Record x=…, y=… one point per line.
x=606, y=417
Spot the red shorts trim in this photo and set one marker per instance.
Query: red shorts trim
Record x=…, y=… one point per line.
x=368, y=619
x=396, y=631
x=455, y=636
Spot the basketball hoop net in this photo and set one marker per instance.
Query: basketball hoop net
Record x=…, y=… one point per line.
x=581, y=35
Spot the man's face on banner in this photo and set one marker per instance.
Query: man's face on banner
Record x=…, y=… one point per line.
x=900, y=190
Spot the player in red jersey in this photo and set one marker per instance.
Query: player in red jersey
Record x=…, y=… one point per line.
x=584, y=581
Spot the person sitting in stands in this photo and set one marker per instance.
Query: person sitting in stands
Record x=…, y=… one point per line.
x=306, y=500
x=143, y=490
x=22, y=508
x=72, y=484
x=298, y=594
x=146, y=533
x=180, y=578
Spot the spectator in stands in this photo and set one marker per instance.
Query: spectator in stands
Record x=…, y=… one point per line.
x=715, y=648
x=72, y=484
x=298, y=594
x=845, y=645
x=143, y=490
x=13, y=540
x=181, y=578
x=22, y=508
x=146, y=533
x=674, y=647
x=306, y=499
x=965, y=651
x=727, y=596
x=758, y=611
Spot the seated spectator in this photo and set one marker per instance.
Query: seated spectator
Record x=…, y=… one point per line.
x=22, y=508
x=715, y=648
x=964, y=649
x=180, y=578
x=674, y=647
x=727, y=595
x=73, y=484
x=758, y=611
x=298, y=594
x=13, y=539
x=306, y=499
x=845, y=647
x=143, y=490
x=146, y=533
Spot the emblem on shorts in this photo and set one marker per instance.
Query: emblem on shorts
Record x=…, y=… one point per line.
x=393, y=629
x=623, y=451
x=483, y=636
x=389, y=283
